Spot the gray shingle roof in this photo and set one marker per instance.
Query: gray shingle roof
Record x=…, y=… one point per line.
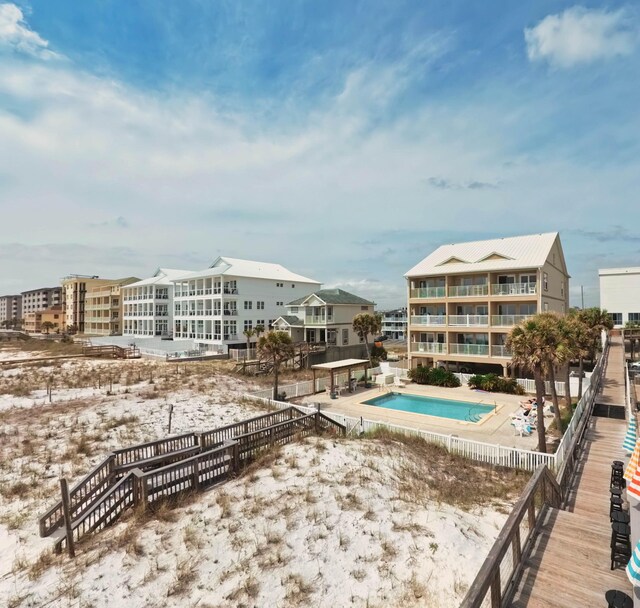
x=333, y=296
x=291, y=319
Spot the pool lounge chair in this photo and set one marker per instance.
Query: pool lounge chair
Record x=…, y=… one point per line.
x=522, y=427
x=399, y=382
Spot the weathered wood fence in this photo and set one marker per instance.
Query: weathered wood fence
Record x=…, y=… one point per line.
x=148, y=472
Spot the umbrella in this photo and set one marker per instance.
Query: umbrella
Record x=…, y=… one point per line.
x=633, y=487
x=633, y=462
x=633, y=567
x=629, y=442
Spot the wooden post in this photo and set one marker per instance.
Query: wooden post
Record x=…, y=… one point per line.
x=313, y=388
x=495, y=590
x=235, y=457
x=195, y=476
x=170, y=416
x=516, y=548
x=64, y=489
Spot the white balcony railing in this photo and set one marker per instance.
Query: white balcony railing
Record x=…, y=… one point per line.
x=469, y=320
x=317, y=319
x=428, y=320
x=464, y=291
x=500, y=351
x=507, y=320
x=428, y=292
x=428, y=347
x=514, y=289
x=469, y=349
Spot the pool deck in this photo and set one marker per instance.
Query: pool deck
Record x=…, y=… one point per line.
x=494, y=428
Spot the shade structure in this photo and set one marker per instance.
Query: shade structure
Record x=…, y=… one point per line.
x=633, y=567
x=629, y=443
x=633, y=487
x=633, y=462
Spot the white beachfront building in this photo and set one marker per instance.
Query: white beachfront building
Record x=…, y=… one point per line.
x=213, y=307
x=620, y=294
x=148, y=305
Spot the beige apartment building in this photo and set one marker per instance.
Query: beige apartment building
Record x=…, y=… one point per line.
x=463, y=299
x=103, y=308
x=74, y=295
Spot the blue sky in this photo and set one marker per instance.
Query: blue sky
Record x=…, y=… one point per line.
x=345, y=140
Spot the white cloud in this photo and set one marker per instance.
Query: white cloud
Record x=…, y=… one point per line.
x=579, y=35
x=15, y=33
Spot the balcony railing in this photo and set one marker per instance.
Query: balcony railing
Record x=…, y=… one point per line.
x=428, y=320
x=318, y=319
x=230, y=312
x=469, y=349
x=428, y=292
x=500, y=351
x=469, y=320
x=514, y=289
x=428, y=347
x=507, y=320
x=464, y=291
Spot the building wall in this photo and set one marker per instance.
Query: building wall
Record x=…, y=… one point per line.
x=32, y=321
x=220, y=318
x=36, y=300
x=74, y=291
x=147, y=310
x=10, y=307
x=104, y=309
x=54, y=315
x=394, y=324
x=620, y=294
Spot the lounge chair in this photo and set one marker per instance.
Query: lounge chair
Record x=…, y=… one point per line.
x=522, y=427
x=397, y=381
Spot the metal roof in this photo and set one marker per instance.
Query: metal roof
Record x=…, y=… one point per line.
x=340, y=364
x=162, y=276
x=332, y=296
x=290, y=320
x=530, y=251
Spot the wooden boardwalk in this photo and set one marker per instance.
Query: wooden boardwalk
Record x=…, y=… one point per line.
x=569, y=565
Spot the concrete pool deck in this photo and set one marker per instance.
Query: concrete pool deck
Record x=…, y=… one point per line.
x=494, y=428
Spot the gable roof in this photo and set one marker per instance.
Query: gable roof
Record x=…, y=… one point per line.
x=290, y=320
x=332, y=296
x=530, y=251
x=234, y=267
x=162, y=276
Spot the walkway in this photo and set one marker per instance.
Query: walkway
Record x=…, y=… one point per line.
x=570, y=562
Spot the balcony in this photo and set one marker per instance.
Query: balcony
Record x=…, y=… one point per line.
x=468, y=291
x=500, y=351
x=428, y=320
x=507, y=320
x=230, y=312
x=469, y=320
x=230, y=291
x=514, y=289
x=428, y=347
x=428, y=292
x=469, y=349
x=317, y=319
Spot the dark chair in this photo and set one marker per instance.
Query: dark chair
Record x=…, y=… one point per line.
x=615, y=490
x=620, y=544
x=616, y=505
x=621, y=517
x=618, y=599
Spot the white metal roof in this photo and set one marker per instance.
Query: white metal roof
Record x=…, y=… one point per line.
x=508, y=253
x=234, y=267
x=162, y=276
x=340, y=364
x=612, y=271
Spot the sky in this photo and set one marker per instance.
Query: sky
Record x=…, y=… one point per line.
x=344, y=140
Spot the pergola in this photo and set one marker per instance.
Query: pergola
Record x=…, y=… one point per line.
x=339, y=366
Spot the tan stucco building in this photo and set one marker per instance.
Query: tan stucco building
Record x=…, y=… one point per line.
x=464, y=298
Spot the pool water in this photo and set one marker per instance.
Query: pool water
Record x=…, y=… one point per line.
x=443, y=408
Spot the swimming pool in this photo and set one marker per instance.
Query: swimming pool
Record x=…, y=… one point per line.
x=443, y=408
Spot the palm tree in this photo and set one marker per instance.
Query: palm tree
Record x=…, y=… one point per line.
x=275, y=347
x=366, y=324
x=258, y=330
x=596, y=319
x=558, y=355
x=529, y=343
x=567, y=330
x=249, y=333
x=47, y=326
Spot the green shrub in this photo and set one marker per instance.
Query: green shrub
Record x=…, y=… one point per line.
x=493, y=383
x=434, y=376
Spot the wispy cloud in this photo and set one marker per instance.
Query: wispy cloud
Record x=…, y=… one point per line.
x=579, y=35
x=118, y=222
x=617, y=234
x=442, y=183
x=16, y=34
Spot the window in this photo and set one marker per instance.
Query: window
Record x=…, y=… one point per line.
x=364, y=308
x=634, y=317
x=294, y=310
x=617, y=318
x=279, y=284
x=248, y=305
x=345, y=337
x=271, y=322
x=259, y=305
x=248, y=324
x=279, y=304
x=545, y=281
x=260, y=322
x=546, y=306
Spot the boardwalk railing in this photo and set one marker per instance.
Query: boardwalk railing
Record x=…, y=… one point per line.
x=147, y=472
x=501, y=571
x=504, y=562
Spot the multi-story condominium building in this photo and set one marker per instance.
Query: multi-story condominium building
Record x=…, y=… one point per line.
x=324, y=316
x=36, y=300
x=214, y=306
x=465, y=298
x=148, y=305
x=620, y=294
x=394, y=324
x=103, y=308
x=10, y=308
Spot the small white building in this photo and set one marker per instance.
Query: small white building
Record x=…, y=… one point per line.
x=620, y=294
x=324, y=317
x=215, y=306
x=147, y=305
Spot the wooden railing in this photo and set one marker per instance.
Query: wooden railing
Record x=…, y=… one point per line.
x=505, y=560
x=81, y=495
x=111, y=350
x=158, y=469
